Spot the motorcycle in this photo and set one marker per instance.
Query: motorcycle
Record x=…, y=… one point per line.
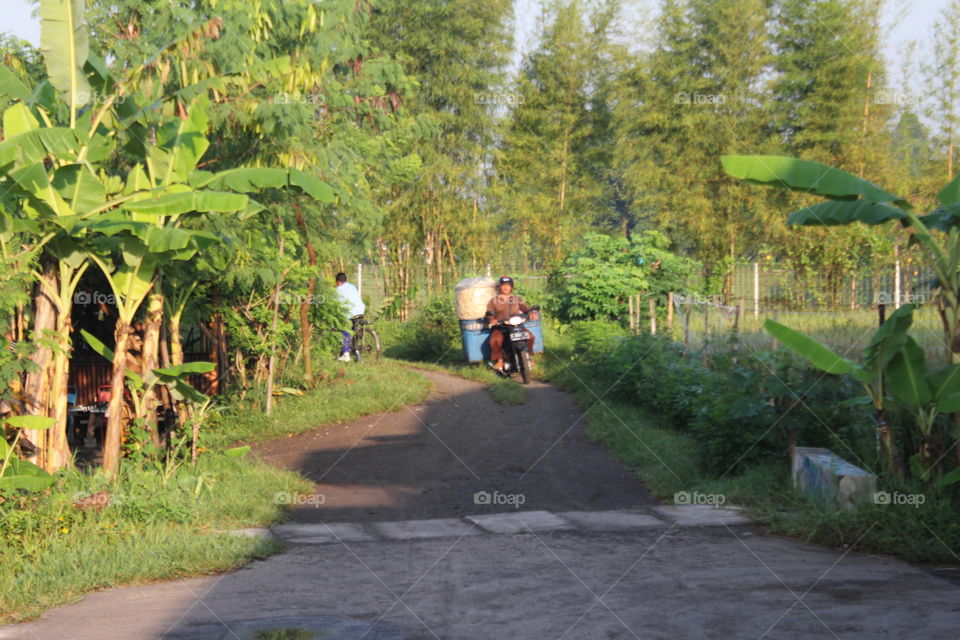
x=516, y=357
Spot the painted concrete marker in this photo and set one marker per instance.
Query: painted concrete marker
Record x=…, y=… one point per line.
x=829, y=479
x=612, y=520
x=521, y=522
x=702, y=515
x=420, y=529
x=323, y=533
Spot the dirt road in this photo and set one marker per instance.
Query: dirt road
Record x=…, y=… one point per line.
x=431, y=460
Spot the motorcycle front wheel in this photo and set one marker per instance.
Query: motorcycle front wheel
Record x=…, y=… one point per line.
x=525, y=366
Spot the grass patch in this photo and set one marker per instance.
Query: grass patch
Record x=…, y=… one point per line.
x=51, y=552
x=349, y=391
x=508, y=392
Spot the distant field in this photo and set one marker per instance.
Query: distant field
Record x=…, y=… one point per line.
x=847, y=332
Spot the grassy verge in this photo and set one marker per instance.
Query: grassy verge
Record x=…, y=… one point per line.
x=152, y=528
x=670, y=460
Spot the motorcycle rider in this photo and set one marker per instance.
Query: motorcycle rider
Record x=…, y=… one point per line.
x=500, y=308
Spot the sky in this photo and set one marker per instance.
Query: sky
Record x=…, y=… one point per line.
x=917, y=19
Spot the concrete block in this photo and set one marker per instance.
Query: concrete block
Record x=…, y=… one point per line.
x=829, y=479
x=421, y=529
x=612, y=520
x=331, y=533
x=521, y=522
x=702, y=515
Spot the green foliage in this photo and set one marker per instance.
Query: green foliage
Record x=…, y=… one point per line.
x=432, y=336
x=595, y=282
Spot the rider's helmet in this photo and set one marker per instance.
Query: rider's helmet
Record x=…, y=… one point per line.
x=505, y=280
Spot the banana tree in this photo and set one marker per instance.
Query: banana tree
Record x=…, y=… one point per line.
x=850, y=199
x=884, y=346
x=16, y=473
x=893, y=360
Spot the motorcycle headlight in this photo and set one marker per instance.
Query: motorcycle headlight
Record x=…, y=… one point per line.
x=515, y=320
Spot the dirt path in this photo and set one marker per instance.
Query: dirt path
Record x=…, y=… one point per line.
x=429, y=460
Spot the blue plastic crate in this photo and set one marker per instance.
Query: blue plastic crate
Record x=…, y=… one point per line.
x=476, y=339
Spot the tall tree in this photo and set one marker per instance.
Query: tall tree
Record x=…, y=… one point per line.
x=457, y=50
x=828, y=79
x=554, y=165
x=694, y=98
x=943, y=76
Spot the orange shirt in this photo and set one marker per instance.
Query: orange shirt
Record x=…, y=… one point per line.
x=503, y=306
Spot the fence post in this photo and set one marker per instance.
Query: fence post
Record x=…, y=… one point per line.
x=630, y=311
x=653, y=316
x=670, y=311
x=896, y=285
x=756, y=289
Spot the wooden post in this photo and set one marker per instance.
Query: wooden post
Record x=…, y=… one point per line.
x=670, y=311
x=653, y=316
x=630, y=311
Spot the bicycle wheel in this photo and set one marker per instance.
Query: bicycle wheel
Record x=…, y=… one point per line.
x=366, y=345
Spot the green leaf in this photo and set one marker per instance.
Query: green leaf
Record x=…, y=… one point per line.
x=951, y=478
x=30, y=422
x=192, y=201
x=950, y=194
x=33, y=146
x=838, y=212
x=96, y=345
x=316, y=189
x=889, y=338
x=65, y=44
x=17, y=119
x=237, y=452
x=25, y=481
x=183, y=391
x=945, y=381
x=907, y=375
x=80, y=187
x=11, y=87
x=187, y=368
x=806, y=176
x=819, y=355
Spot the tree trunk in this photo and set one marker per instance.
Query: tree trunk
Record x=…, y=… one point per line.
x=150, y=361
x=37, y=388
x=113, y=438
x=306, y=330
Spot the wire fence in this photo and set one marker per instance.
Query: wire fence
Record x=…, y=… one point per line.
x=840, y=310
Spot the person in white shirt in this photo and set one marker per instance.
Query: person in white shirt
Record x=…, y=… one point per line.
x=349, y=295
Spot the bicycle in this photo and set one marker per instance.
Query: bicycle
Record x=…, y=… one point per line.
x=365, y=343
